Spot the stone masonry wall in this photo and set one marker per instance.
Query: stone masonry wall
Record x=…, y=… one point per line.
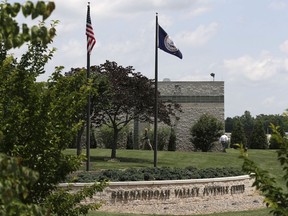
x=178, y=197
x=191, y=88
x=196, y=99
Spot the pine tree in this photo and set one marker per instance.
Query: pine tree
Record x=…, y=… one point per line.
x=238, y=134
x=258, y=137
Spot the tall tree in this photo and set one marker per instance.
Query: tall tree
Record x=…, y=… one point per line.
x=13, y=36
x=248, y=124
x=228, y=125
x=238, y=134
x=75, y=82
x=258, y=137
x=33, y=128
x=37, y=123
x=205, y=132
x=130, y=95
x=15, y=180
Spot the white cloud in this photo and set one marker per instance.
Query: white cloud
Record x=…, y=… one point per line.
x=196, y=77
x=272, y=102
x=269, y=100
x=284, y=47
x=255, y=69
x=278, y=4
x=200, y=36
x=199, y=11
x=127, y=8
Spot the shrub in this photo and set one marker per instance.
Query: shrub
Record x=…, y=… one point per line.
x=105, y=137
x=163, y=138
x=172, y=140
x=149, y=174
x=129, y=143
x=207, y=130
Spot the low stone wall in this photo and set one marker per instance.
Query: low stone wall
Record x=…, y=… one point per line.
x=179, y=197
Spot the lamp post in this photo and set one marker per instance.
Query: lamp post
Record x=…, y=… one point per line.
x=213, y=75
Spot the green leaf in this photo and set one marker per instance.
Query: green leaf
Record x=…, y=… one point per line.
x=34, y=31
x=35, y=13
x=27, y=8
x=52, y=32
x=41, y=7
x=16, y=7
x=51, y=6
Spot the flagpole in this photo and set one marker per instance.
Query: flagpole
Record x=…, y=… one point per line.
x=88, y=117
x=156, y=95
x=88, y=111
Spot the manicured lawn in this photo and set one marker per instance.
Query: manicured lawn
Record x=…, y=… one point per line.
x=260, y=212
x=100, y=159
x=266, y=159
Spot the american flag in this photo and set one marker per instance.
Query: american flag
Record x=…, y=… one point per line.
x=91, y=41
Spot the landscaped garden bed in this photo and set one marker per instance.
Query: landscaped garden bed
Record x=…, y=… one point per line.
x=151, y=174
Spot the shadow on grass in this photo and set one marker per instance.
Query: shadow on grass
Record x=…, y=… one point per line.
x=118, y=159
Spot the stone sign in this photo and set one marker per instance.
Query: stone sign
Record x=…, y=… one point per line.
x=180, y=193
x=179, y=197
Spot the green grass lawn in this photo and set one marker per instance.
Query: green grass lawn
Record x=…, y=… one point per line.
x=266, y=159
x=100, y=159
x=260, y=212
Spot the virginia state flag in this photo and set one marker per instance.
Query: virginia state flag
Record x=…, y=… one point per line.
x=166, y=44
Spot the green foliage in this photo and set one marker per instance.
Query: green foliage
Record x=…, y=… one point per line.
x=276, y=197
x=13, y=34
x=15, y=180
x=129, y=95
x=238, y=134
x=36, y=120
x=129, y=144
x=273, y=142
x=229, y=124
x=172, y=140
x=248, y=123
x=65, y=202
x=105, y=136
x=258, y=138
x=163, y=138
x=149, y=174
x=205, y=131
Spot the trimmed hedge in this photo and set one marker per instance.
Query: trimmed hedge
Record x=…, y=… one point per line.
x=150, y=174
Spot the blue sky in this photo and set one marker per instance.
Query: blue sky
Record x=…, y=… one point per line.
x=244, y=42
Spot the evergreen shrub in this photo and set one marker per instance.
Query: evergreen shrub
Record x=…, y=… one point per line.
x=150, y=174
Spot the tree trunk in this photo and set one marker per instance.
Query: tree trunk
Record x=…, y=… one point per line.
x=136, y=133
x=114, y=144
x=78, y=141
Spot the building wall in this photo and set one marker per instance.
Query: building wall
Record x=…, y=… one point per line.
x=196, y=99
